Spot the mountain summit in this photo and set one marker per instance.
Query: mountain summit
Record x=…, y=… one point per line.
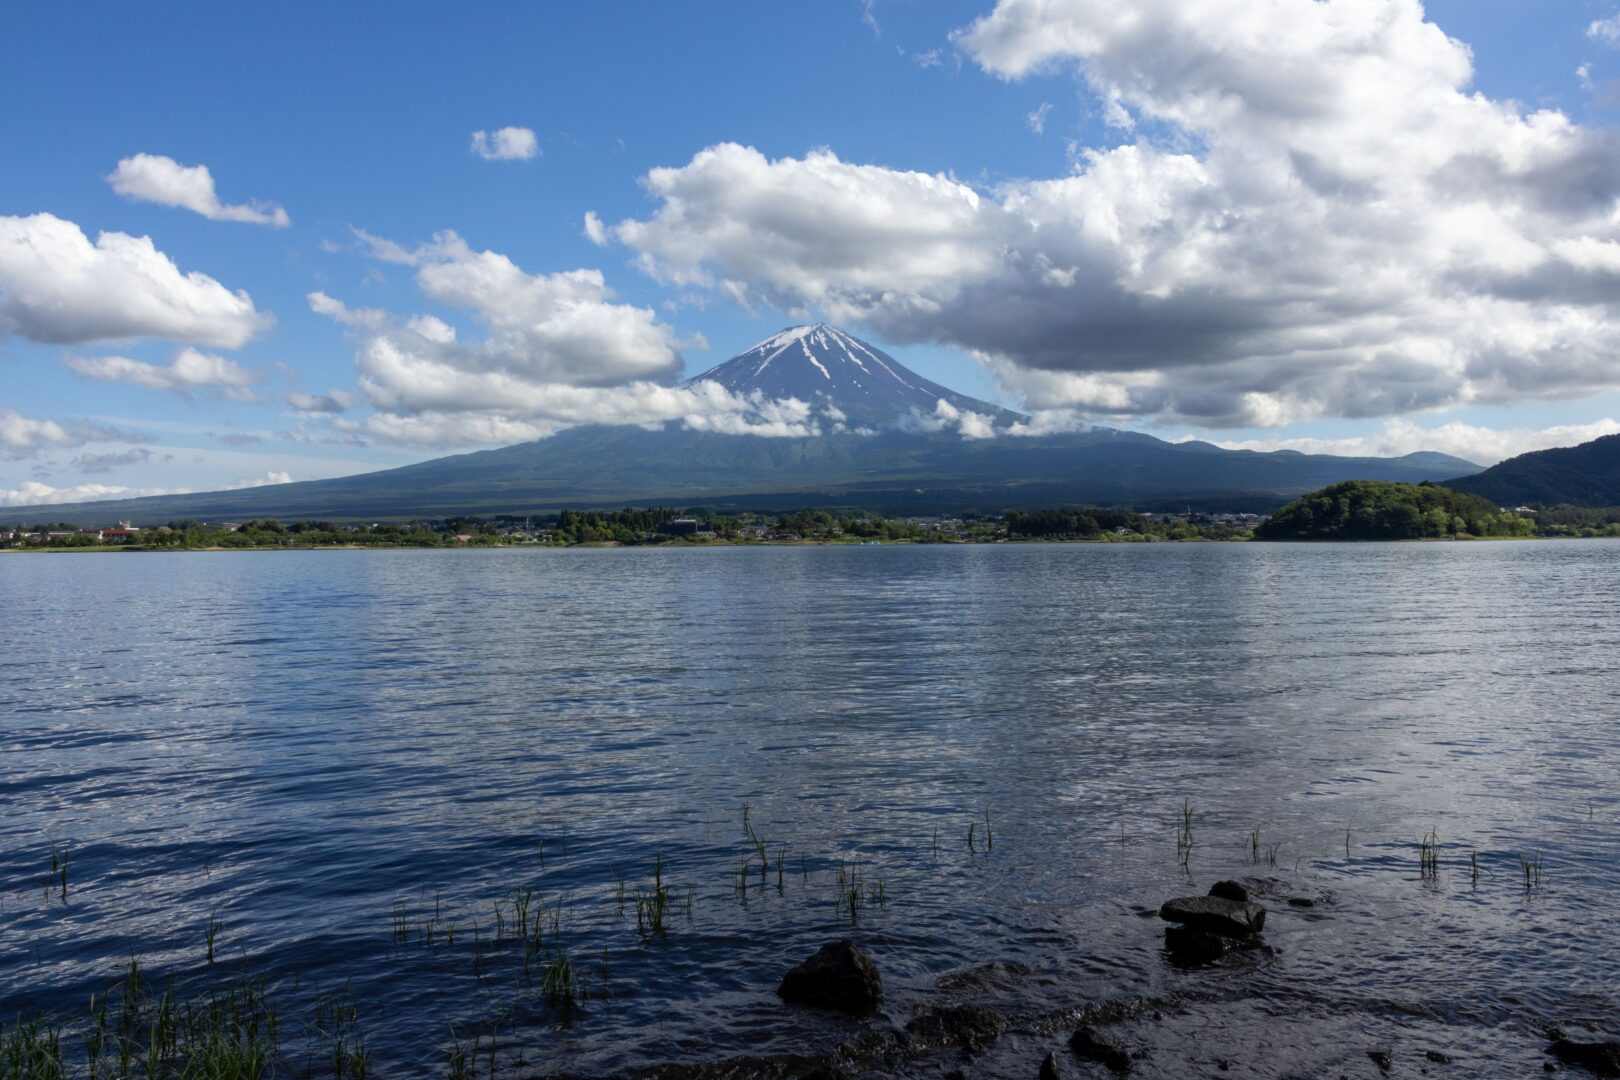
x=823, y=365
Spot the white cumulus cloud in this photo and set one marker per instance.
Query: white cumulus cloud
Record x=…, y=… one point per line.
x=554, y=351
x=57, y=287
x=595, y=231
x=1472, y=442
x=1330, y=222
x=1605, y=30
x=34, y=493
x=505, y=144
x=947, y=417
x=271, y=476
x=157, y=179
x=190, y=371
x=23, y=436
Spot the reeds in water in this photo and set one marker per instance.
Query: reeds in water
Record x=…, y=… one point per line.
x=59, y=873
x=31, y=1050
x=1184, y=835
x=652, y=908
x=211, y=933
x=1530, y=868
x=1429, y=856
x=232, y=1035
x=855, y=892
x=562, y=986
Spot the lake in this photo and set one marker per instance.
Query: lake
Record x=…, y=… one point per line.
x=343, y=764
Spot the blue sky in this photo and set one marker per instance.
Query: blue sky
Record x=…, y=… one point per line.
x=360, y=117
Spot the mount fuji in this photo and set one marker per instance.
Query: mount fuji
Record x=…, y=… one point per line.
x=885, y=439
x=842, y=375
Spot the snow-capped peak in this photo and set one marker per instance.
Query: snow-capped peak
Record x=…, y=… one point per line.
x=825, y=365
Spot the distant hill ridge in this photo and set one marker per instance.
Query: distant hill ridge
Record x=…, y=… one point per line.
x=872, y=453
x=1584, y=475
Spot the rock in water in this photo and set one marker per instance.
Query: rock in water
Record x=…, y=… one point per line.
x=1189, y=945
x=1230, y=890
x=967, y=1026
x=839, y=976
x=1049, y=1066
x=1215, y=915
x=1602, y=1058
x=1087, y=1046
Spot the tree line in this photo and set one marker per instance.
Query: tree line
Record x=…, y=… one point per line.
x=1092, y=523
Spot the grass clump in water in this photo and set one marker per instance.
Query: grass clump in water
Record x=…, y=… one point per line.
x=1184, y=835
x=31, y=1050
x=1530, y=868
x=562, y=985
x=1429, y=856
x=652, y=908
x=855, y=892
x=211, y=934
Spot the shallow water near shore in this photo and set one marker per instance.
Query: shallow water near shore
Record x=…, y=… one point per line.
x=318, y=750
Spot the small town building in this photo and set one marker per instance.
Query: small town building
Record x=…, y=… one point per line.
x=122, y=533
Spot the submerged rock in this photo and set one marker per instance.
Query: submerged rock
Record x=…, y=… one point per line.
x=839, y=976
x=1230, y=890
x=1087, y=1045
x=1189, y=945
x=1215, y=915
x=1382, y=1058
x=967, y=1026
x=1602, y=1058
x=996, y=975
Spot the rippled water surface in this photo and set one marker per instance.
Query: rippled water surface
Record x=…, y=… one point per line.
x=312, y=747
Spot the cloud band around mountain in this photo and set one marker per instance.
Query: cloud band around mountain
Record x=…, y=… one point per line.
x=557, y=351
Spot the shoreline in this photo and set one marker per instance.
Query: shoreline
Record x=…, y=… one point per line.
x=973, y=1019
x=135, y=549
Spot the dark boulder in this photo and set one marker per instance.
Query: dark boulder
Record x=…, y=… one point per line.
x=839, y=976
x=1230, y=890
x=1049, y=1066
x=1601, y=1058
x=1383, y=1059
x=1087, y=1045
x=1191, y=946
x=1301, y=901
x=1215, y=915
